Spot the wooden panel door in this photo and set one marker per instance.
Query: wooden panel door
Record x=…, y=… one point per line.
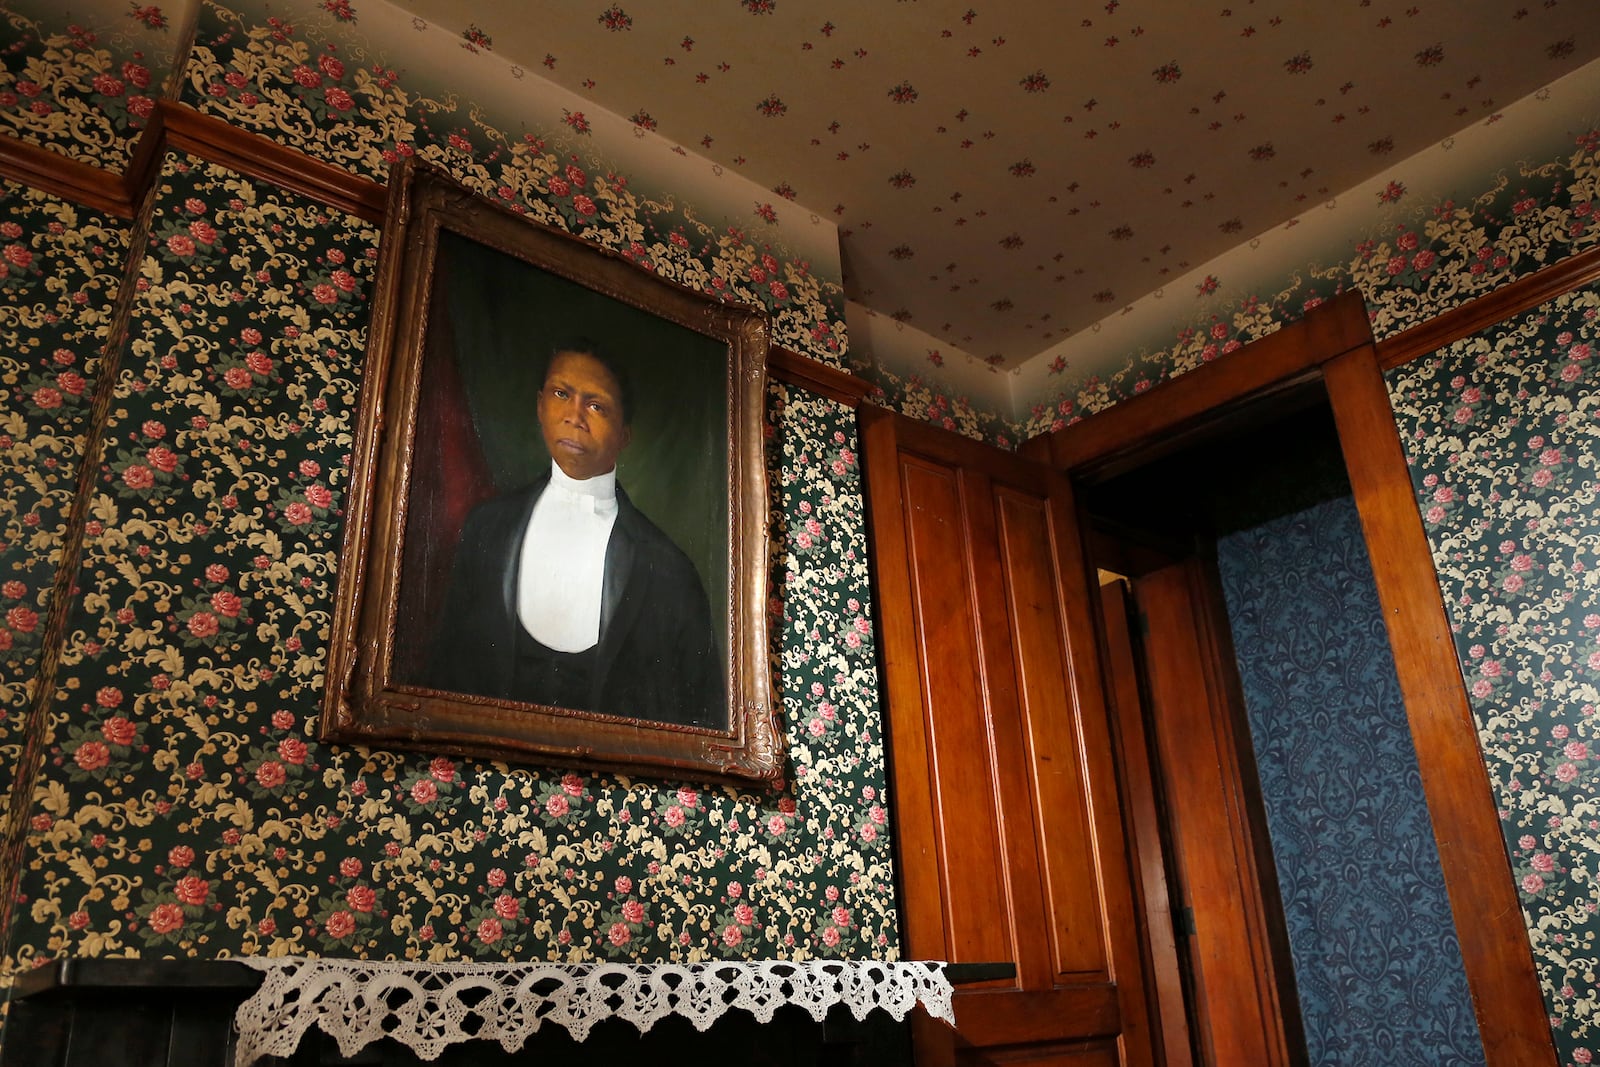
x=1006, y=809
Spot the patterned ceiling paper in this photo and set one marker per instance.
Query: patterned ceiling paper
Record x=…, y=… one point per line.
x=1459, y=169
x=470, y=89
x=1006, y=175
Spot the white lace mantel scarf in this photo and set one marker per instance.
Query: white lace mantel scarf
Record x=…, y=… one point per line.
x=428, y=1006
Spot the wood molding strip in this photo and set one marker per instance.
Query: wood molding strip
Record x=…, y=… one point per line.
x=69, y=179
x=259, y=157
x=1484, y=311
x=1472, y=853
x=794, y=369
x=1275, y=361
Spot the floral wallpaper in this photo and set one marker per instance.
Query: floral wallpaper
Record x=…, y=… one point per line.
x=1376, y=961
x=185, y=807
x=60, y=270
x=1502, y=436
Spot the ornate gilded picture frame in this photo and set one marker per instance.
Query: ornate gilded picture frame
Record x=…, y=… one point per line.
x=556, y=545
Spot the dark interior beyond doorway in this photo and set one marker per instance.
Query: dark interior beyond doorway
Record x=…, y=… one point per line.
x=1377, y=967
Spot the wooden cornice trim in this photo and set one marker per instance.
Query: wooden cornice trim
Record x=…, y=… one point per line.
x=794, y=369
x=1275, y=362
x=255, y=156
x=69, y=179
x=1497, y=306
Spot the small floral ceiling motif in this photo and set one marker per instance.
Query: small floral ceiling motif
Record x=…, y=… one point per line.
x=1072, y=158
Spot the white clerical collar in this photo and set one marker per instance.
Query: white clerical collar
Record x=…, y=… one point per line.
x=602, y=488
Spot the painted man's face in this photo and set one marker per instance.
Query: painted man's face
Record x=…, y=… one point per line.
x=580, y=412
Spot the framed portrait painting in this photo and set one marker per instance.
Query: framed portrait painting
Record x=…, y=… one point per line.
x=556, y=547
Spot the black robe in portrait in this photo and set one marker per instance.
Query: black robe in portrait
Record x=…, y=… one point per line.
x=657, y=658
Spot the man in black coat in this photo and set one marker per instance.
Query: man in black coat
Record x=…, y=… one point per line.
x=564, y=594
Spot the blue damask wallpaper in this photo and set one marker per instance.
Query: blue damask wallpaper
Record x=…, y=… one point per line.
x=1376, y=959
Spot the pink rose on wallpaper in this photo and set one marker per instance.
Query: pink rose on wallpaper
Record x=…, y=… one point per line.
x=298, y=513
x=1532, y=883
x=181, y=244
x=344, y=281
x=572, y=785
x=91, y=756
x=165, y=918
x=305, y=76
x=557, y=186
x=830, y=937
x=350, y=867
x=108, y=696
x=319, y=496
x=180, y=856
x=270, y=775
x=162, y=459
x=192, y=890
x=583, y=205
x=292, y=750
x=633, y=912
x=744, y=914
x=1542, y=477
x=282, y=718
x=203, y=232
x=203, y=624
x=138, y=476
x=673, y=816
x=71, y=382
x=361, y=898
x=506, y=906
x=46, y=397
x=490, y=930
x=1566, y=772
x=688, y=797
x=442, y=769
x=1543, y=862
x=323, y=293
x=496, y=877
x=118, y=731
x=259, y=363
x=1575, y=750
x=556, y=806
x=732, y=936
x=424, y=791
x=18, y=256
x=341, y=924
x=226, y=602
x=619, y=934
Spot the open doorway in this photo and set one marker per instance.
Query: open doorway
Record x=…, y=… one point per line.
x=1284, y=832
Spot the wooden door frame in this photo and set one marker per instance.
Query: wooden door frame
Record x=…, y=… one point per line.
x=1333, y=345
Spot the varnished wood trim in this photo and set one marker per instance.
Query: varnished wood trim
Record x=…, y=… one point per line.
x=1277, y=361
x=1466, y=824
x=794, y=369
x=260, y=157
x=1497, y=306
x=80, y=183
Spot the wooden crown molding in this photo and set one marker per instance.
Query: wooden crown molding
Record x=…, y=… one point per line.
x=835, y=384
x=69, y=179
